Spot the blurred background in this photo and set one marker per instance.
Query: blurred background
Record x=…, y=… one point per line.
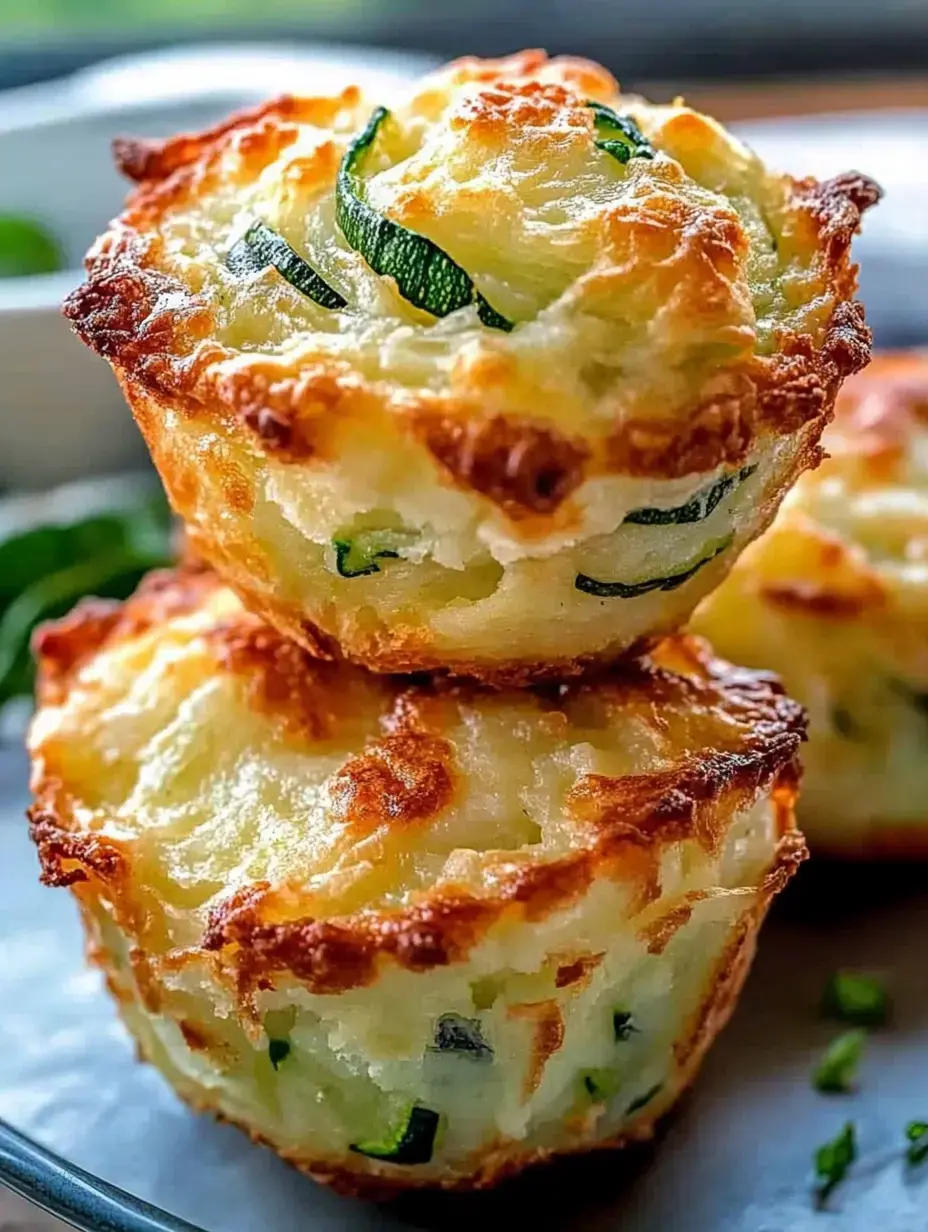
x=692, y=40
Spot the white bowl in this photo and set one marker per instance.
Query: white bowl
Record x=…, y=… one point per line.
x=61, y=412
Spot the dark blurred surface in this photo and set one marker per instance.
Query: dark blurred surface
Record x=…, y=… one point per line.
x=662, y=39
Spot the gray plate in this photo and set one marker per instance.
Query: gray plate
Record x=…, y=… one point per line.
x=735, y=1158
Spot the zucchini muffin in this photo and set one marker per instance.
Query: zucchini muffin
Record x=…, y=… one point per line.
x=501, y=380
x=408, y=933
x=835, y=599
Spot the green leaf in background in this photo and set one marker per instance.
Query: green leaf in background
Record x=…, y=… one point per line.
x=27, y=247
x=45, y=571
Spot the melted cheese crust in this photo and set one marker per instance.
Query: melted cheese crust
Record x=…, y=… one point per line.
x=676, y=319
x=835, y=599
x=264, y=845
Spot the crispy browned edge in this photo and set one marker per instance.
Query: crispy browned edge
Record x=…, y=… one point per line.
x=159, y=337
x=628, y=819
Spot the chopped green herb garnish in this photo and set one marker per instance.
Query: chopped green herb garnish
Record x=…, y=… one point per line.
x=357, y=553
x=916, y=1133
x=631, y=590
x=637, y=1104
x=697, y=508
x=623, y=1026
x=454, y=1033
x=278, y=1050
x=618, y=135
x=44, y=571
x=837, y=1070
x=261, y=246
x=425, y=275
x=410, y=1143
x=27, y=247
x=859, y=999
x=832, y=1162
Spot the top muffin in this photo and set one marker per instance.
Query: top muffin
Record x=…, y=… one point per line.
x=500, y=380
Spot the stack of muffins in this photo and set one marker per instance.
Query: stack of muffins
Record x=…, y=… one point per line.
x=413, y=839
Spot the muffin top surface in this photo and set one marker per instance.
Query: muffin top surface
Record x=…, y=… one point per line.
x=223, y=784
x=543, y=278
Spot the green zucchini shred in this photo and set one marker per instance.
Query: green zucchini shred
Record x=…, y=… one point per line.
x=261, y=246
x=411, y=1142
x=454, y=1033
x=599, y=1084
x=356, y=554
x=623, y=1026
x=278, y=1050
x=631, y=590
x=619, y=135
x=697, y=508
x=425, y=275
x=637, y=1104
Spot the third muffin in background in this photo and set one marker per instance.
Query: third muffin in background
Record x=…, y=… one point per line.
x=835, y=599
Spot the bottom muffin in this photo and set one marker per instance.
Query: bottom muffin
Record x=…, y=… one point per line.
x=407, y=932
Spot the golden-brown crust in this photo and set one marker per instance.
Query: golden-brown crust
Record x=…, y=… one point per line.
x=577, y=971
x=547, y=1039
x=146, y=161
x=296, y=690
x=660, y=932
x=63, y=646
x=681, y=803
x=820, y=602
x=522, y=467
x=402, y=778
x=66, y=857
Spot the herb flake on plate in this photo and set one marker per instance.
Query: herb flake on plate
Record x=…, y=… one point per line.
x=859, y=999
x=916, y=1133
x=832, y=1161
x=836, y=1072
